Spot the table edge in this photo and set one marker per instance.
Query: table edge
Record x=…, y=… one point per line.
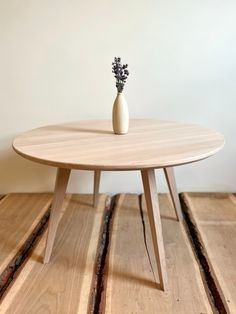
x=117, y=168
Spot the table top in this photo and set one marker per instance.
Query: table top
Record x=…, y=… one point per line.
x=92, y=145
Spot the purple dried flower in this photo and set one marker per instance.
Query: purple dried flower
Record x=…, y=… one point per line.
x=121, y=73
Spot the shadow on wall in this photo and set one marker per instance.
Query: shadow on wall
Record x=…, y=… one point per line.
x=23, y=175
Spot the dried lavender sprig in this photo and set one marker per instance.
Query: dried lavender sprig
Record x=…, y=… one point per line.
x=121, y=73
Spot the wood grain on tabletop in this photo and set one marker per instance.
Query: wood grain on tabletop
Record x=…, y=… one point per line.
x=92, y=145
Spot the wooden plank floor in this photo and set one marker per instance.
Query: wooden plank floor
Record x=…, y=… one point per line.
x=131, y=284
x=214, y=217
x=103, y=259
x=63, y=285
x=19, y=216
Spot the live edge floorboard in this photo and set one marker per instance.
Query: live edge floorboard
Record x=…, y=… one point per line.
x=132, y=276
x=213, y=219
x=103, y=259
x=63, y=285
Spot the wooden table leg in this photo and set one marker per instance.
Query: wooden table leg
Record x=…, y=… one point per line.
x=59, y=194
x=170, y=178
x=96, y=183
x=149, y=185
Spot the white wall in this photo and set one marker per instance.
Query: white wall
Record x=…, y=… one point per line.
x=55, y=66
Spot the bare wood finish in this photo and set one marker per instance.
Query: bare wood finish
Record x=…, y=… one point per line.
x=150, y=190
x=62, y=179
x=96, y=184
x=130, y=286
x=170, y=178
x=92, y=145
x=63, y=285
x=214, y=216
x=19, y=215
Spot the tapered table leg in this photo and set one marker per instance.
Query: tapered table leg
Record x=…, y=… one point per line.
x=59, y=194
x=96, y=183
x=170, y=178
x=149, y=185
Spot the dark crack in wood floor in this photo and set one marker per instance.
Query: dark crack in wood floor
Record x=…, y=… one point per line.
x=211, y=288
x=11, y=271
x=98, y=289
x=100, y=265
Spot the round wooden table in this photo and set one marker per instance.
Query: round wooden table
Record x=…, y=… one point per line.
x=92, y=145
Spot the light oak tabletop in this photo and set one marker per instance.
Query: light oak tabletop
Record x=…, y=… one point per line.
x=92, y=145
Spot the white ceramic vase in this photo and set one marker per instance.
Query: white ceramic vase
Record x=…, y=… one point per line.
x=120, y=115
